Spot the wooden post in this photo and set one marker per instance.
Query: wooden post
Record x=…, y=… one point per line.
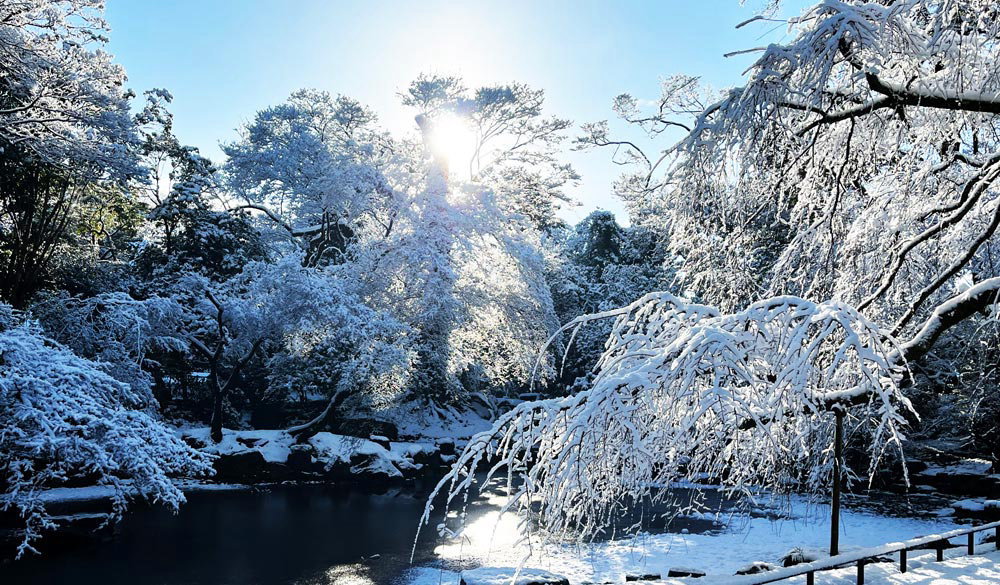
x=972, y=543
x=811, y=578
x=861, y=572
x=838, y=456
x=902, y=561
x=940, y=551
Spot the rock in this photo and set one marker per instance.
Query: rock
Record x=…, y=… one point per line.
x=371, y=468
x=248, y=442
x=505, y=576
x=755, y=568
x=241, y=466
x=958, y=476
x=380, y=440
x=980, y=509
x=446, y=447
x=194, y=442
x=643, y=577
x=300, y=458
x=685, y=572
x=797, y=556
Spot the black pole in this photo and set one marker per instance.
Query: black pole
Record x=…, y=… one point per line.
x=838, y=456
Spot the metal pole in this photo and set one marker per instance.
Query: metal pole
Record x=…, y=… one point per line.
x=838, y=456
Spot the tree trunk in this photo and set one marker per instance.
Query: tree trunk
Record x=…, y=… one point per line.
x=304, y=431
x=216, y=428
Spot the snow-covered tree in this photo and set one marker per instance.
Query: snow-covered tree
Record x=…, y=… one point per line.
x=450, y=259
x=857, y=164
x=115, y=329
x=282, y=313
x=64, y=417
x=684, y=392
x=61, y=97
x=312, y=166
x=597, y=267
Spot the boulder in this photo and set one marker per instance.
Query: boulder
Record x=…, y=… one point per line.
x=194, y=442
x=685, y=572
x=300, y=458
x=248, y=442
x=979, y=509
x=240, y=467
x=446, y=447
x=642, y=577
x=384, y=442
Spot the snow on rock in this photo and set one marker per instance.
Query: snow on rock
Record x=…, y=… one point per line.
x=511, y=576
x=963, y=467
x=273, y=445
x=105, y=492
x=362, y=456
x=977, y=508
x=973, y=505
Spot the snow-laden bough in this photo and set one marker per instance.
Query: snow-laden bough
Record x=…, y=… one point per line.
x=684, y=392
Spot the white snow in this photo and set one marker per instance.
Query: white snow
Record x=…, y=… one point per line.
x=976, y=505
x=494, y=540
x=957, y=569
x=964, y=467
x=100, y=492
x=275, y=445
x=507, y=576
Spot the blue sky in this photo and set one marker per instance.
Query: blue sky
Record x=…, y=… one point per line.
x=223, y=60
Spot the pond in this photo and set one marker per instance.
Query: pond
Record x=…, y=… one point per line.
x=315, y=534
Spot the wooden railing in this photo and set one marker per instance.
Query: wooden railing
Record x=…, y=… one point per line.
x=862, y=557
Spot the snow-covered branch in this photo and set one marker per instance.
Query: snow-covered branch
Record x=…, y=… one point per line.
x=673, y=391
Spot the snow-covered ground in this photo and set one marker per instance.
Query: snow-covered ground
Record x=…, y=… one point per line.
x=957, y=569
x=495, y=541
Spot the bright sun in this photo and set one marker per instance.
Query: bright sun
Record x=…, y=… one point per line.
x=453, y=139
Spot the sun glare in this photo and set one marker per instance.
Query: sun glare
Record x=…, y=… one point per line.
x=454, y=140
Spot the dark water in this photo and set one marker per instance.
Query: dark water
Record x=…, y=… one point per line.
x=302, y=535
x=285, y=534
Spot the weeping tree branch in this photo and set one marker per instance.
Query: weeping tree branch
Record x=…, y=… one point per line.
x=976, y=299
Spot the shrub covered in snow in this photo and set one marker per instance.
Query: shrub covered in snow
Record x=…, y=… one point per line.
x=62, y=417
